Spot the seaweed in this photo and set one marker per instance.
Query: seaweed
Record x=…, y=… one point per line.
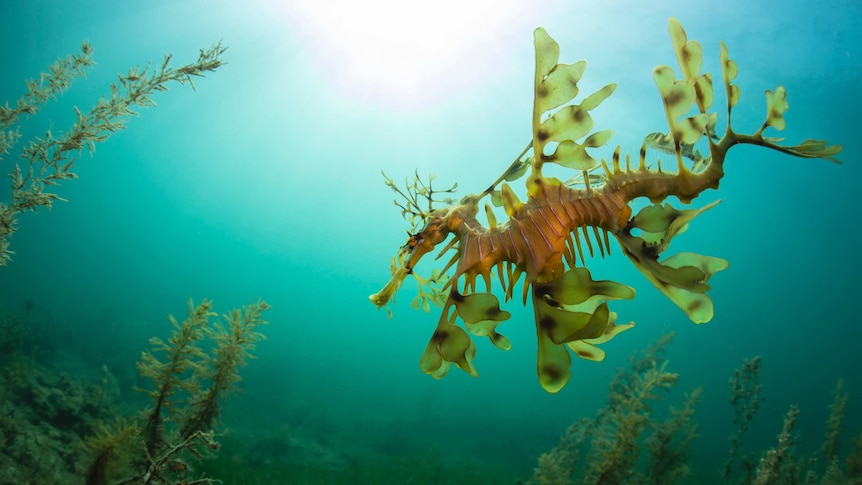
x=190, y=382
x=609, y=448
x=50, y=159
x=628, y=442
x=745, y=398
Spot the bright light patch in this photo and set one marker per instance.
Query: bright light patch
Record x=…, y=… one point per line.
x=407, y=54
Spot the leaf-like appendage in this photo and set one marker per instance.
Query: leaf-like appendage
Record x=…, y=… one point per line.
x=569, y=123
x=690, y=129
x=556, y=85
x=448, y=344
x=547, y=52
x=481, y=314
x=598, y=138
x=661, y=223
x=597, y=97
x=478, y=307
x=577, y=287
x=517, y=170
x=511, y=202
x=572, y=154
x=776, y=105
x=819, y=147
x=688, y=53
x=815, y=149
x=559, y=86
x=678, y=96
x=684, y=283
x=729, y=71
x=703, y=90
x=570, y=311
x=683, y=277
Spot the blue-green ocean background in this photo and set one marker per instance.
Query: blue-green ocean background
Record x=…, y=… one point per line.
x=265, y=183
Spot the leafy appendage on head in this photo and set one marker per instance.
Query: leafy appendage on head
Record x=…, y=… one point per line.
x=419, y=198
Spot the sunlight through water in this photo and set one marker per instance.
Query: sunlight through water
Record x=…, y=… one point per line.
x=406, y=55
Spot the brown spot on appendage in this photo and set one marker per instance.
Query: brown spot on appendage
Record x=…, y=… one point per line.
x=579, y=115
x=673, y=98
x=540, y=289
x=695, y=305
x=686, y=56
x=587, y=354
x=547, y=323
x=492, y=312
x=542, y=135
x=698, y=92
x=439, y=336
x=650, y=252
x=692, y=123
x=553, y=372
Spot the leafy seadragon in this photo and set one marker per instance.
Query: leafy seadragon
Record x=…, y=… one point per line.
x=544, y=236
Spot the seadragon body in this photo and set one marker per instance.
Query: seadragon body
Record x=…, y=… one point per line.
x=544, y=236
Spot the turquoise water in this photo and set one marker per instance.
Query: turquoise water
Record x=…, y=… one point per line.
x=265, y=183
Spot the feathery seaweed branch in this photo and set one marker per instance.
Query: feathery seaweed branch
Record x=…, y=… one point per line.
x=234, y=342
x=153, y=447
x=745, y=398
x=48, y=160
x=183, y=362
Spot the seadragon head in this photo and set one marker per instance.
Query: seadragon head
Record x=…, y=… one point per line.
x=429, y=227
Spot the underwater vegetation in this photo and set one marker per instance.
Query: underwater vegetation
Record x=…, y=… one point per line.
x=544, y=237
x=58, y=429
x=190, y=381
x=44, y=412
x=49, y=160
x=627, y=441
